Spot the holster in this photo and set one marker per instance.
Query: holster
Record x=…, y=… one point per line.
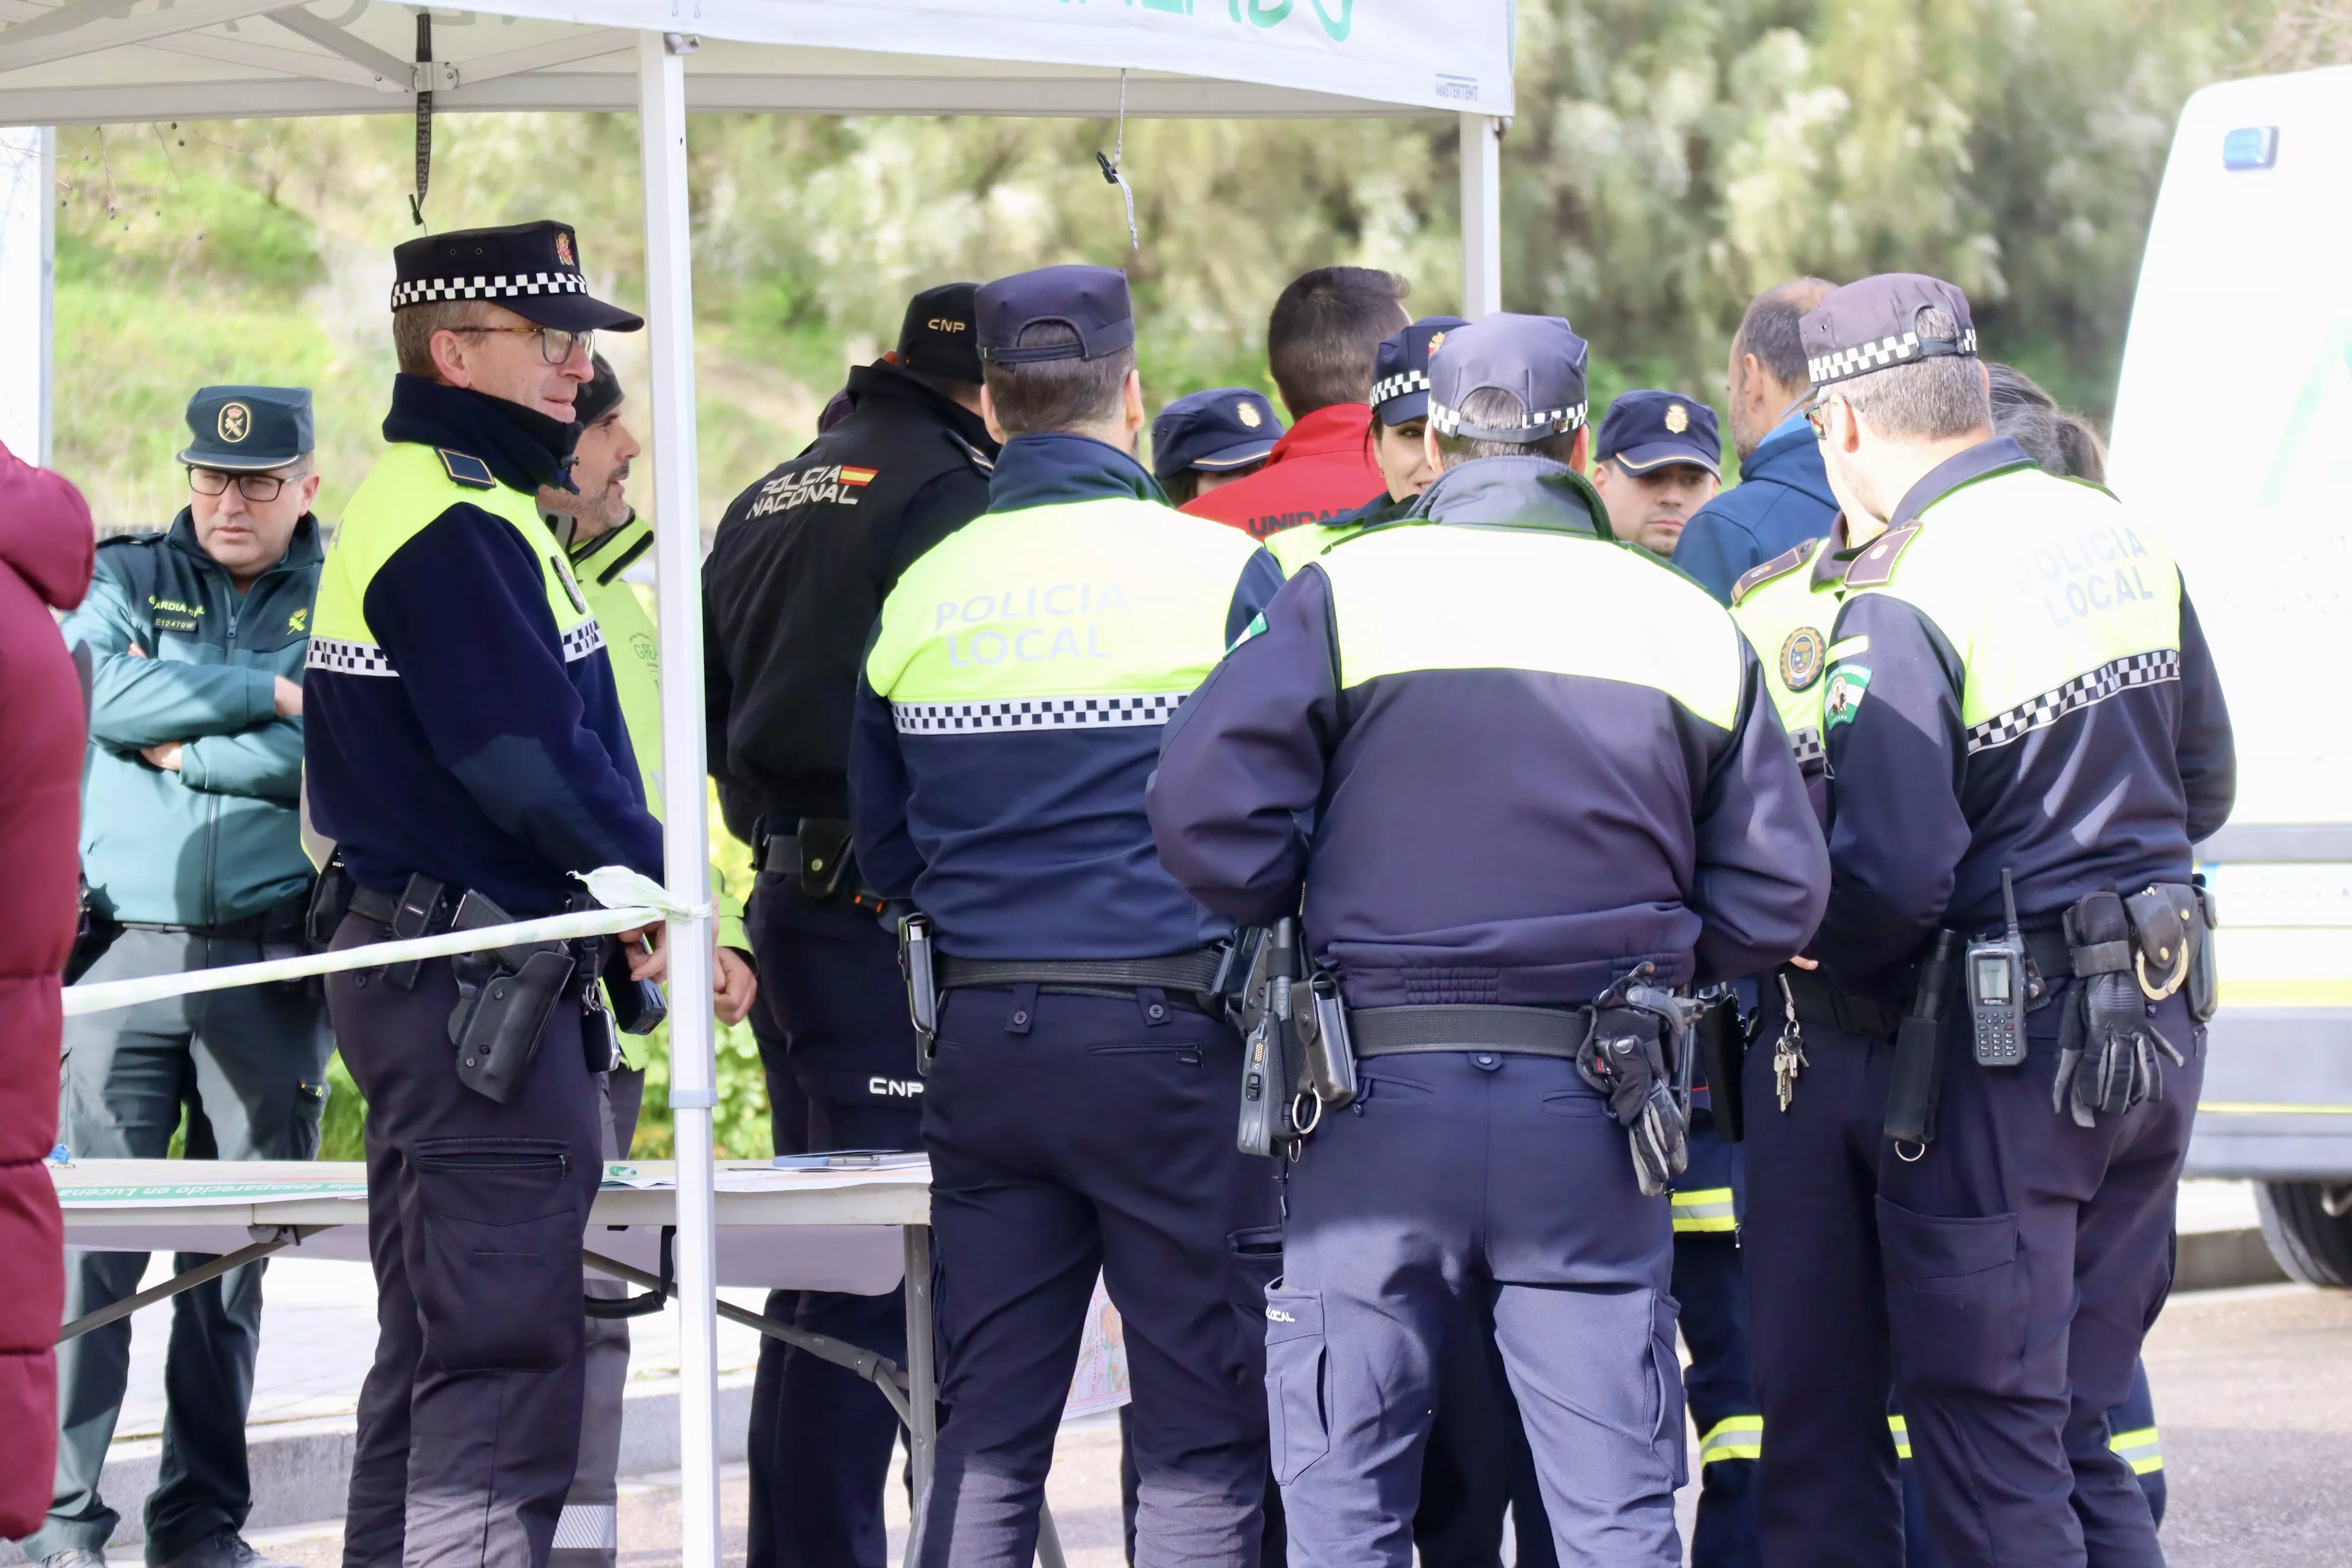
x=827, y=861
x=331, y=900
x=1723, y=1057
x=2204, y=972
x=1273, y=1057
x=505, y=995
x=918, y=968
x=1915, y=1080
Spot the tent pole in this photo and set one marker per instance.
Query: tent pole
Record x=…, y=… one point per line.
x=28, y=233
x=678, y=558
x=1482, y=215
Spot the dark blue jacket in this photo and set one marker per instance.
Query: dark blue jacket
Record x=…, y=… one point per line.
x=1011, y=706
x=1782, y=499
x=490, y=756
x=1532, y=758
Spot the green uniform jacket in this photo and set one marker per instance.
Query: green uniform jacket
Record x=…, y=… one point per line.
x=218, y=840
x=634, y=647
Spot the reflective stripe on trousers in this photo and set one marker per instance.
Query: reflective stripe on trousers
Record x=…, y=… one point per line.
x=1707, y=1209
x=1732, y=1437
x=2139, y=1450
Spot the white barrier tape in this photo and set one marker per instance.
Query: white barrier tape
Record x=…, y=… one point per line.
x=99, y=998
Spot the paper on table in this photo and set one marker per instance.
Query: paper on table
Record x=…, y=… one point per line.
x=1100, y=1381
x=202, y=1194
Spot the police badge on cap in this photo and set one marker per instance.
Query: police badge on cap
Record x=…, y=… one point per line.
x=247, y=429
x=531, y=268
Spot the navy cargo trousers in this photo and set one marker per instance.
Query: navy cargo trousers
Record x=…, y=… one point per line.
x=469, y=1419
x=2025, y=1259
x=1072, y=1136
x=821, y=1435
x=1458, y=1176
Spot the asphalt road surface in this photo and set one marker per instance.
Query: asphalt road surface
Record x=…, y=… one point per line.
x=2253, y=1396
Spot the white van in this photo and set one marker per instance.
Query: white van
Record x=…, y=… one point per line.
x=2233, y=436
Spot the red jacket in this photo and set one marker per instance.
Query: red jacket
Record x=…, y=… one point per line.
x=1322, y=466
x=46, y=553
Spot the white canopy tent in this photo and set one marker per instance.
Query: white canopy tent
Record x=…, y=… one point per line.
x=109, y=61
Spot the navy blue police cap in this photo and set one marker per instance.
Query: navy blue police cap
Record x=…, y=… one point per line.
x=1536, y=359
x=531, y=268
x=1401, y=369
x=938, y=336
x=1646, y=430
x=247, y=429
x=1092, y=302
x=1224, y=427
x=1874, y=322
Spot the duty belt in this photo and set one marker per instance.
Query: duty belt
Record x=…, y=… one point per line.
x=1819, y=1002
x=1511, y=1031
x=784, y=854
x=1194, y=972
x=385, y=910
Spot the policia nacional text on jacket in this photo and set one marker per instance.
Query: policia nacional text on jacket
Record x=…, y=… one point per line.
x=464, y=732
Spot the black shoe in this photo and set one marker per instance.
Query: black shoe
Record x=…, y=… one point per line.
x=226, y=1549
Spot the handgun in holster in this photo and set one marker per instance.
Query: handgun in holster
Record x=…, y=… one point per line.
x=1915, y=1080
x=505, y=995
x=916, y=964
x=1274, y=1063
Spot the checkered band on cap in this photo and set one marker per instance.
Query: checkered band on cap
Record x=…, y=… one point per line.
x=1390, y=388
x=1845, y=364
x=1037, y=714
x=2038, y=713
x=1549, y=421
x=425, y=290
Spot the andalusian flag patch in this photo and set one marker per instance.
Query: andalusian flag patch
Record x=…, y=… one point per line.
x=1848, y=685
x=1257, y=626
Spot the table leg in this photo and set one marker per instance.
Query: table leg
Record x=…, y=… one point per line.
x=278, y=1238
x=922, y=1379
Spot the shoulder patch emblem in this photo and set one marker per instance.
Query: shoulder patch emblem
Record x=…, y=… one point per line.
x=1255, y=628
x=1781, y=566
x=979, y=459
x=1847, y=689
x=1802, y=658
x=300, y=621
x=1874, y=567
x=467, y=469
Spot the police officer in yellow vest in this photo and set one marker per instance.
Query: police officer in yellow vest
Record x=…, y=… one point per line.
x=2024, y=736
x=465, y=742
x=1080, y=1110
x=1545, y=787
x=604, y=537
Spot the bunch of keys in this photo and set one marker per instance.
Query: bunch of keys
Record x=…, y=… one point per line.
x=1788, y=1056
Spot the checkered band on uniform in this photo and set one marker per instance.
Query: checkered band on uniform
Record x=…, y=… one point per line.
x=1805, y=745
x=1553, y=421
x=348, y=657
x=1404, y=384
x=1037, y=714
x=1846, y=363
x=2083, y=691
x=521, y=285
x=582, y=641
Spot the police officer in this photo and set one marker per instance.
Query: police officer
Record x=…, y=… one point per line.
x=604, y=537
x=1657, y=462
x=1079, y=1112
x=1205, y=439
x=1545, y=765
x=802, y=563
x=1399, y=412
x=465, y=737
x=1813, y=1098
x=2020, y=708
x=193, y=857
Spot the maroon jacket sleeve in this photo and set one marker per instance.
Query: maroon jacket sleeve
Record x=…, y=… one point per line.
x=46, y=553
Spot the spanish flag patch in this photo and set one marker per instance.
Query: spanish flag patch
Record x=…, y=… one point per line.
x=850, y=476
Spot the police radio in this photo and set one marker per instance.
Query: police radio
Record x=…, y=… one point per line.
x=1996, y=971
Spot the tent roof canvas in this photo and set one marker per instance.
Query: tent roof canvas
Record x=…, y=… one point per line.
x=97, y=61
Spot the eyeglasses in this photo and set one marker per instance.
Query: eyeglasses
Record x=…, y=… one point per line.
x=1818, y=417
x=252, y=487
x=555, y=344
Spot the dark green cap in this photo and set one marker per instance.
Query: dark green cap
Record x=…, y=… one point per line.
x=247, y=429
